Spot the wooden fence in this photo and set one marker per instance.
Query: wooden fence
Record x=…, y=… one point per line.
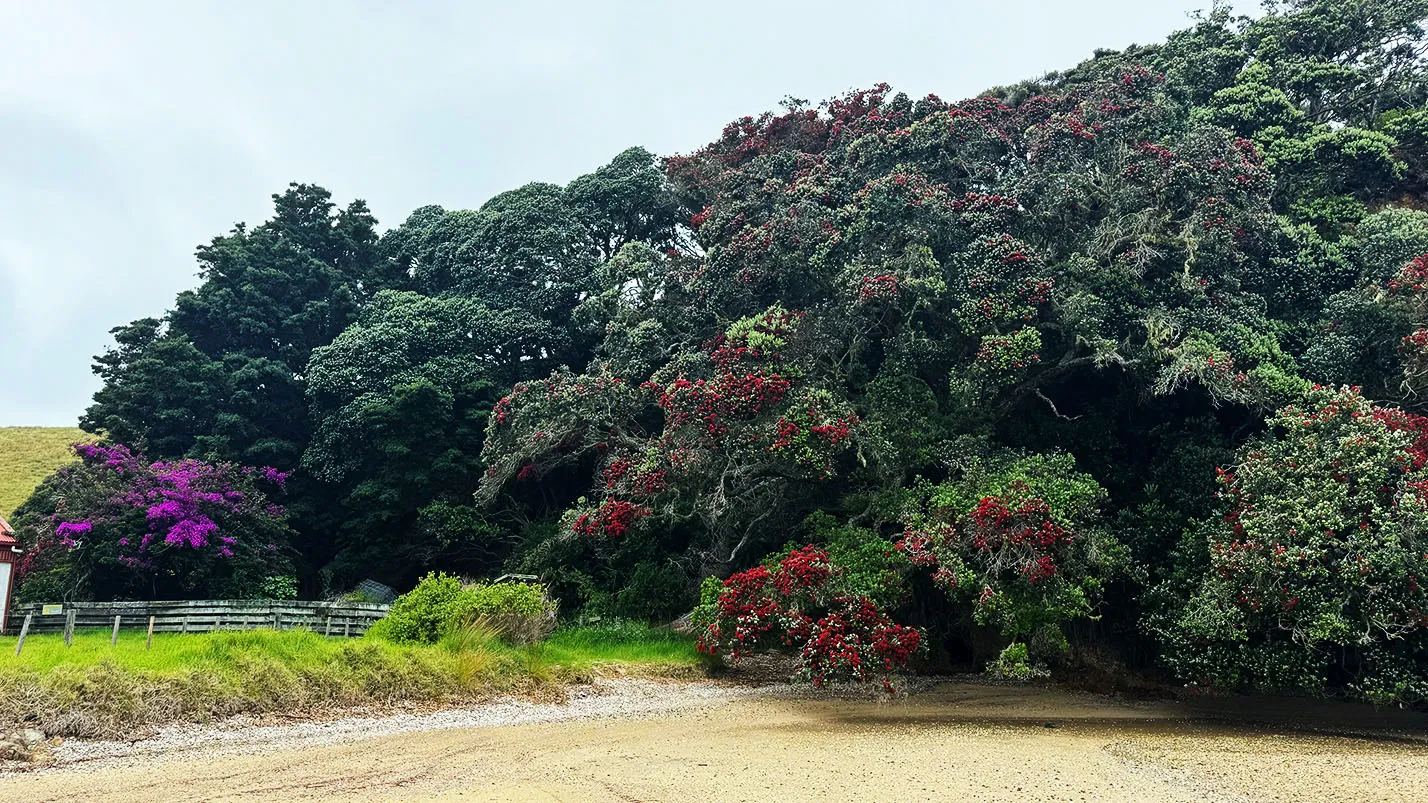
x=203, y=616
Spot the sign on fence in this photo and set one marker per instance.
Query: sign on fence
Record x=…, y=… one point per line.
x=51, y=610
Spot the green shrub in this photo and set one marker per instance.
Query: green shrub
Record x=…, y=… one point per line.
x=280, y=587
x=521, y=613
x=872, y=566
x=1015, y=664
x=424, y=613
x=654, y=592
x=440, y=605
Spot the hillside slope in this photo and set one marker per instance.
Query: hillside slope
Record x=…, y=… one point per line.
x=28, y=455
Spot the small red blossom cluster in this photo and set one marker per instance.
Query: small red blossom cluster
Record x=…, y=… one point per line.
x=857, y=643
x=623, y=476
x=813, y=437
x=1037, y=290
x=785, y=433
x=1022, y=531
x=613, y=518
x=502, y=410
x=746, y=612
x=615, y=471
x=1013, y=533
x=727, y=396
x=985, y=203
x=1163, y=154
x=1399, y=421
x=882, y=286
x=802, y=570
x=1412, y=277
x=838, y=431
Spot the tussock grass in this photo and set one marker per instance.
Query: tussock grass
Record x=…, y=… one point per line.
x=94, y=690
x=28, y=455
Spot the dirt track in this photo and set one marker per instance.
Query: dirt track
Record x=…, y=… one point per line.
x=957, y=742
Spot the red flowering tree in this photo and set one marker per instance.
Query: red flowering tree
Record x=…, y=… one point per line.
x=800, y=603
x=740, y=423
x=1318, y=564
x=1017, y=539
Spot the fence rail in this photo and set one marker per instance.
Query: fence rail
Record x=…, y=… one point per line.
x=203, y=616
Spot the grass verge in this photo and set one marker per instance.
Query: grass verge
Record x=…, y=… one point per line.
x=94, y=690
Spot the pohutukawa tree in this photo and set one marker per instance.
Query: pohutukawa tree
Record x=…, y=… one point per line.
x=803, y=603
x=1021, y=541
x=1317, y=567
x=744, y=425
x=1015, y=333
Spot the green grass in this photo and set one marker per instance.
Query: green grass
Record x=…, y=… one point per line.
x=27, y=456
x=582, y=647
x=94, y=690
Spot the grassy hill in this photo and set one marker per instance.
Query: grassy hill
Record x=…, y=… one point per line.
x=27, y=456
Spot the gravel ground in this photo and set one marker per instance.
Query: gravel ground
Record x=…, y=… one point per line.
x=659, y=741
x=626, y=698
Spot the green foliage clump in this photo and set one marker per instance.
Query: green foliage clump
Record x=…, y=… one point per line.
x=423, y=614
x=870, y=565
x=441, y=604
x=1014, y=663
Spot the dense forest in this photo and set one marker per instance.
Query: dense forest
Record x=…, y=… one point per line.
x=1127, y=358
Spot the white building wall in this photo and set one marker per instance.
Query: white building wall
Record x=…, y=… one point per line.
x=5, y=569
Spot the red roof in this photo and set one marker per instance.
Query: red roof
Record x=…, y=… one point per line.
x=7, y=533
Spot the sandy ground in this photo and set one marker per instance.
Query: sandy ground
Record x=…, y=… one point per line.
x=956, y=742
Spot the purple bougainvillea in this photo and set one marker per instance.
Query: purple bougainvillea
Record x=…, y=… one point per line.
x=120, y=522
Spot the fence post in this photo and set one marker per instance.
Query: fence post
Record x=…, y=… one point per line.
x=114, y=637
x=69, y=628
x=277, y=621
x=24, y=630
x=150, y=642
x=347, y=629
x=328, y=630
x=185, y=626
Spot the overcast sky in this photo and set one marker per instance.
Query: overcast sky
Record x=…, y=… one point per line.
x=132, y=132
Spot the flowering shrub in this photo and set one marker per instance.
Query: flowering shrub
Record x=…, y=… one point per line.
x=1019, y=540
x=115, y=524
x=1316, y=564
x=612, y=518
x=796, y=603
x=1408, y=291
x=1001, y=360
